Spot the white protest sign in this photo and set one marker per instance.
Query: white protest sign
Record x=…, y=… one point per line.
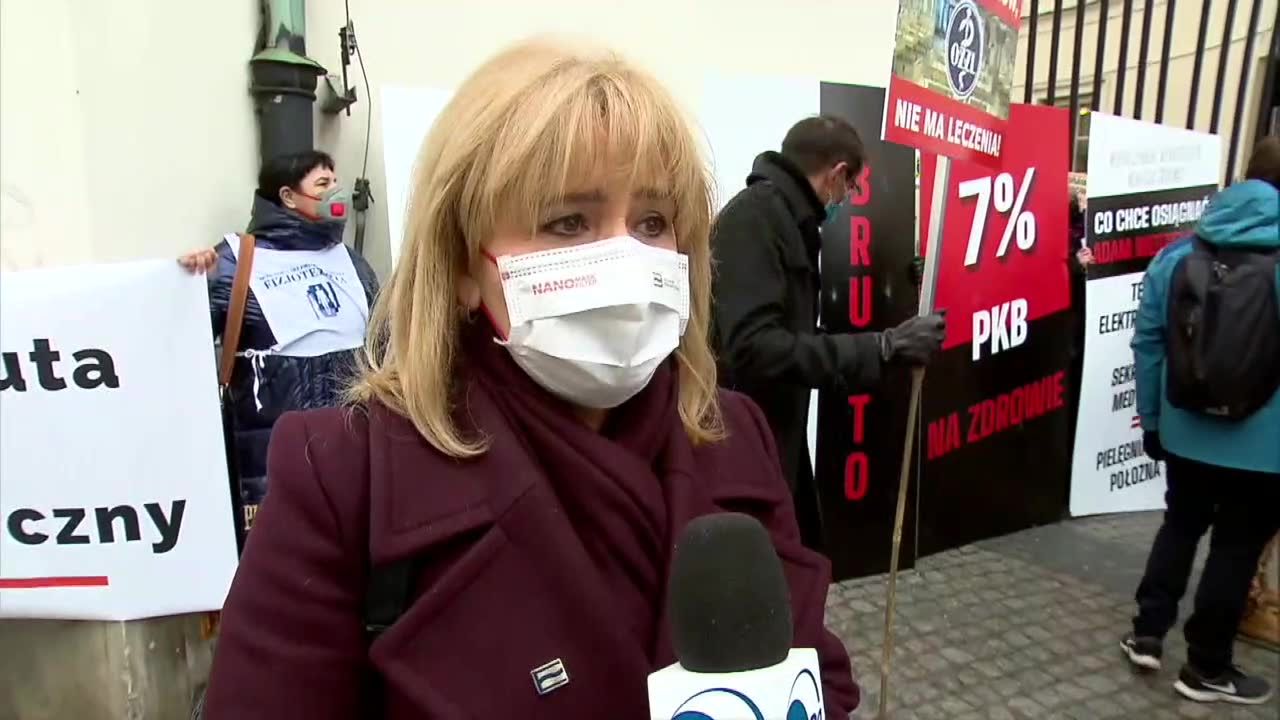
x=407, y=115
x=114, y=494
x=1147, y=186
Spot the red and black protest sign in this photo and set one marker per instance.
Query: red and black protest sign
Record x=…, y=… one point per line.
x=996, y=402
x=867, y=285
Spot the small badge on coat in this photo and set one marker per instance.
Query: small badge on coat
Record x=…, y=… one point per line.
x=549, y=677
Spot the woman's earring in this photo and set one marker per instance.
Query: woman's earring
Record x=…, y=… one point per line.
x=468, y=293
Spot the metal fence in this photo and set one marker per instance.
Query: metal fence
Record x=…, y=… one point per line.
x=1264, y=120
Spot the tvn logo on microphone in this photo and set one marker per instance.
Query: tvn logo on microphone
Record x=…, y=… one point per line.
x=804, y=703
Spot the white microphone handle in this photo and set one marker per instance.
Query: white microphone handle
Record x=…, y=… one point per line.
x=764, y=694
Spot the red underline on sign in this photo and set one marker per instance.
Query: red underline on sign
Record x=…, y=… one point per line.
x=53, y=582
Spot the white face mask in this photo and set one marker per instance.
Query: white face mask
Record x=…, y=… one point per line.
x=592, y=323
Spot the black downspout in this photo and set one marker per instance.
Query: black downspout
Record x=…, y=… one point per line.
x=283, y=80
x=283, y=86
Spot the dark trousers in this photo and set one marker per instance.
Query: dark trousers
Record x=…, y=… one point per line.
x=1243, y=508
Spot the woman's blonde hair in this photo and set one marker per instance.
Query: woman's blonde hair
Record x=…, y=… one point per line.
x=525, y=126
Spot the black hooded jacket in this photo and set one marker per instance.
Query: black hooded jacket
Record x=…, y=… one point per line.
x=284, y=382
x=765, y=247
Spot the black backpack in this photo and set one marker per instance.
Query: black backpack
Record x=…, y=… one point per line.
x=390, y=591
x=1223, y=332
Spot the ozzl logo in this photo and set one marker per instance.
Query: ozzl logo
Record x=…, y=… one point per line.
x=965, y=47
x=727, y=704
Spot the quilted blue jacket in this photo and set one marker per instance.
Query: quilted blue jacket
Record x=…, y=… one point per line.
x=279, y=383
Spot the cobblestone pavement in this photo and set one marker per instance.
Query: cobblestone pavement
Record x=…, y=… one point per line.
x=1025, y=626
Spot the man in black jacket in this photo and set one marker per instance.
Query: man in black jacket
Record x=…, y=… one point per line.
x=765, y=244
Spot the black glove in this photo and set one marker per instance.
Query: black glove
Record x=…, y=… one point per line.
x=1151, y=445
x=915, y=341
x=917, y=271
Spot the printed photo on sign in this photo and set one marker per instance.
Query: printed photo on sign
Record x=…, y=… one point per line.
x=313, y=300
x=114, y=498
x=1147, y=186
x=952, y=75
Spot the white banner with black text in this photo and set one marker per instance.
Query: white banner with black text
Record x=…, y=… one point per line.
x=1147, y=186
x=114, y=493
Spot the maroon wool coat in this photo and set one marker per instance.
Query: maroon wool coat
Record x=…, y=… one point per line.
x=498, y=593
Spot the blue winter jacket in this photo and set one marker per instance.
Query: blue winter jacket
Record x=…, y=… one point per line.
x=1246, y=214
x=282, y=383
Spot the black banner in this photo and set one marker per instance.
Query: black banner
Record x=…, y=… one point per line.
x=867, y=251
x=997, y=455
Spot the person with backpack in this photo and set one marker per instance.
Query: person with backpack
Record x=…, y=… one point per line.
x=1207, y=349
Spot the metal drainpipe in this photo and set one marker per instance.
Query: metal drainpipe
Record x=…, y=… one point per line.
x=284, y=80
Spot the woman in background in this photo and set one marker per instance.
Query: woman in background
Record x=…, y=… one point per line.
x=538, y=423
x=307, y=309
x=1079, y=258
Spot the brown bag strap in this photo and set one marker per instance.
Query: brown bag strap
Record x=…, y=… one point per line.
x=235, y=311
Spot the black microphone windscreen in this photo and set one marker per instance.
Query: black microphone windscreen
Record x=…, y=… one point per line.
x=728, y=598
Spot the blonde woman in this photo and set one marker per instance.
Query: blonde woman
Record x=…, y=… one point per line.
x=538, y=421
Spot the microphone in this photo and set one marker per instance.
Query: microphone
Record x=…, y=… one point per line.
x=731, y=629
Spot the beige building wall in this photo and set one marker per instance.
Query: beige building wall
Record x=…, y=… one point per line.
x=127, y=130
x=125, y=127
x=1181, y=61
